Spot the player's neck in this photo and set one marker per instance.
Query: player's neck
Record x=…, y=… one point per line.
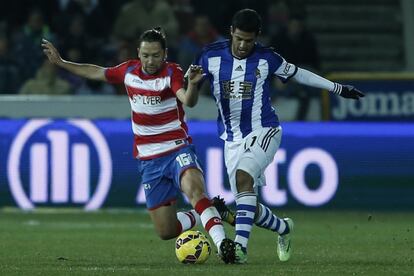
x=155, y=73
x=236, y=56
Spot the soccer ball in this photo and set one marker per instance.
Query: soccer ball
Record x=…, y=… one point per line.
x=192, y=247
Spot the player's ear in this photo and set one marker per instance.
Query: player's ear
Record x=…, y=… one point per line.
x=231, y=30
x=165, y=54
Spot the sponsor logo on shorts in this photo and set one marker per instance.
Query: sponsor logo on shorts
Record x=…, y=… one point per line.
x=179, y=142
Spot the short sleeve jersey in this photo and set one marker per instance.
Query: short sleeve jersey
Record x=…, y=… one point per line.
x=157, y=115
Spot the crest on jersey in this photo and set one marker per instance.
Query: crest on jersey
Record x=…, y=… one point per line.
x=157, y=83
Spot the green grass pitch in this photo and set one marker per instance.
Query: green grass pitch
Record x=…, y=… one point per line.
x=71, y=242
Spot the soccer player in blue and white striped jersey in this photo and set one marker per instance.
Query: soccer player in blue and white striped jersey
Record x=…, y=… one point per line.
x=240, y=71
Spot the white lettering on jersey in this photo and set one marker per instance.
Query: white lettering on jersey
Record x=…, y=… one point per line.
x=164, y=106
x=285, y=70
x=147, y=100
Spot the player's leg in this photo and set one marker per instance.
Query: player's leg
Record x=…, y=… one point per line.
x=267, y=146
x=160, y=193
x=256, y=154
x=269, y=220
x=242, y=187
x=188, y=219
x=265, y=218
x=161, y=203
x=226, y=214
x=192, y=185
x=246, y=204
x=165, y=221
x=191, y=181
x=169, y=224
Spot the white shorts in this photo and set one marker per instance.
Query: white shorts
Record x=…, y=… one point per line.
x=252, y=154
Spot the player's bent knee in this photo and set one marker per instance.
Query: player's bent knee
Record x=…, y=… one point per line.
x=195, y=195
x=244, y=181
x=192, y=184
x=193, y=176
x=167, y=234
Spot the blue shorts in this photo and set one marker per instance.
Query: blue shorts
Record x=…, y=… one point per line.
x=161, y=176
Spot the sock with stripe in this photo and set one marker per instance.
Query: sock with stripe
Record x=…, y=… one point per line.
x=210, y=218
x=187, y=220
x=246, y=208
x=268, y=220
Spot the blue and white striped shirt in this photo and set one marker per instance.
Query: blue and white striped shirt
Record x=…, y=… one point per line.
x=241, y=87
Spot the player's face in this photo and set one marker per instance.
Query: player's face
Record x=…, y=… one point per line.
x=242, y=43
x=152, y=56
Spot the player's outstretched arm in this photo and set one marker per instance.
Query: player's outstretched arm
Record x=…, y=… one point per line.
x=89, y=71
x=306, y=77
x=189, y=96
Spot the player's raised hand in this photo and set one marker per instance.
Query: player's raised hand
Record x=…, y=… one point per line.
x=194, y=74
x=51, y=52
x=350, y=92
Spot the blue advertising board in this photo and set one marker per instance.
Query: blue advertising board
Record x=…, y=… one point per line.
x=89, y=164
x=388, y=97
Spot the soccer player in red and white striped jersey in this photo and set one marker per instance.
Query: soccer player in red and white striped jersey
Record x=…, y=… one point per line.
x=166, y=159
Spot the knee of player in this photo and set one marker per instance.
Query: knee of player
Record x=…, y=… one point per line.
x=192, y=184
x=192, y=176
x=244, y=178
x=195, y=194
x=167, y=235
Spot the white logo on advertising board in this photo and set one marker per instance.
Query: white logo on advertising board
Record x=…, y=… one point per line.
x=64, y=156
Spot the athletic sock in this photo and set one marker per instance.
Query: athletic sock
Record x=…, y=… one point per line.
x=187, y=220
x=246, y=208
x=268, y=220
x=210, y=218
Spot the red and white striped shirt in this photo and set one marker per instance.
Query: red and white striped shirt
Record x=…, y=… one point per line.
x=157, y=114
